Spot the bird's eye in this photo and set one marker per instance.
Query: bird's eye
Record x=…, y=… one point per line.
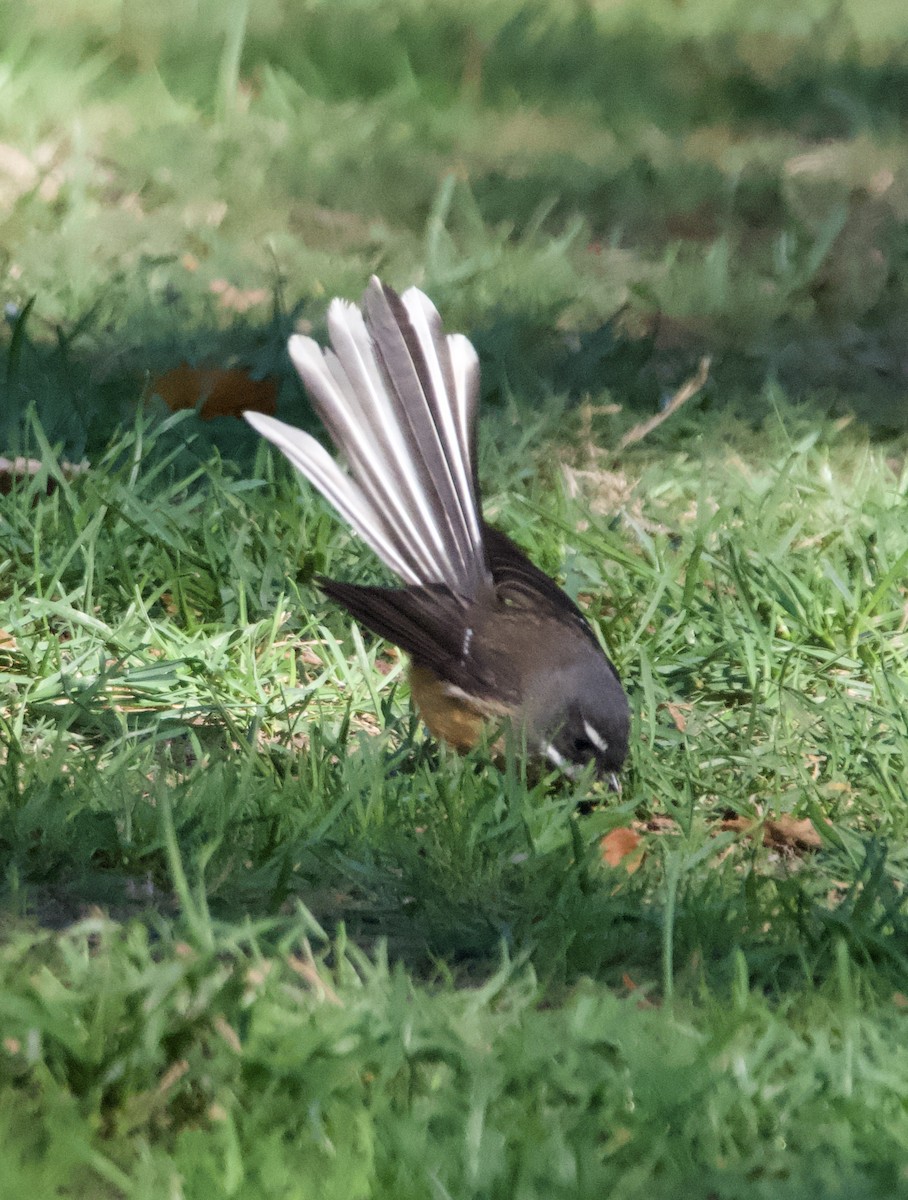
x=582, y=748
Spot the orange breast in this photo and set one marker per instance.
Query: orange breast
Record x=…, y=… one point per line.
x=451, y=719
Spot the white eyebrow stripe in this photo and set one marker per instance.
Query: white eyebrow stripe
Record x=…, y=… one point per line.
x=595, y=737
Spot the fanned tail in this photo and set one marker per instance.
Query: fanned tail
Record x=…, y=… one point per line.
x=398, y=399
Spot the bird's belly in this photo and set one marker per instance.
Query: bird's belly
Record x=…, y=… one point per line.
x=450, y=715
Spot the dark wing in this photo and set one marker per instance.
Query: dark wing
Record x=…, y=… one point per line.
x=426, y=622
x=519, y=581
x=436, y=630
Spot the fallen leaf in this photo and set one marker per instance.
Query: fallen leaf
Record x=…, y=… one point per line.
x=738, y=824
x=676, y=712
x=309, y=656
x=221, y=392
x=780, y=833
x=658, y=824
x=787, y=833
x=622, y=848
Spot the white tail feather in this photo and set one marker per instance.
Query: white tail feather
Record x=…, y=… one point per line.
x=314, y=461
x=398, y=398
x=455, y=418
x=369, y=412
x=338, y=402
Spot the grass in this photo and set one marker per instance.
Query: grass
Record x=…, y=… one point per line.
x=295, y=969
x=260, y=936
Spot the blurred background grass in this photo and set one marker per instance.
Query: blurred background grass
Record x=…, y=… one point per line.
x=597, y=193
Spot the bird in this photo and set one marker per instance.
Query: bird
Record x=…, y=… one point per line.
x=491, y=637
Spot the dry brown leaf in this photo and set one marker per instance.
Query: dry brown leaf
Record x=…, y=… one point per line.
x=657, y=824
x=7, y=641
x=622, y=848
x=738, y=824
x=676, y=712
x=308, y=655
x=780, y=833
x=788, y=833
x=222, y=392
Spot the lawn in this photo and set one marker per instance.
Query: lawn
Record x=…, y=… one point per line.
x=260, y=936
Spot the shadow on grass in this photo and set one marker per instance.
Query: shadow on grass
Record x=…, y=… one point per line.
x=84, y=397
x=444, y=865
x=835, y=322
